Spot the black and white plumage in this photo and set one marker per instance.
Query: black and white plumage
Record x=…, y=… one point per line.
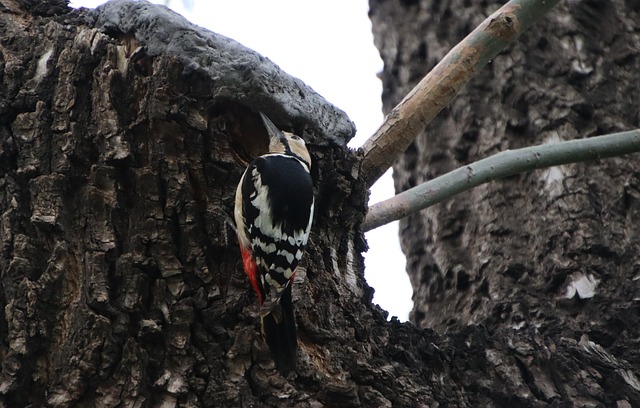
x=273, y=214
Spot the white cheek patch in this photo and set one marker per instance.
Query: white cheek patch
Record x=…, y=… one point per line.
x=300, y=152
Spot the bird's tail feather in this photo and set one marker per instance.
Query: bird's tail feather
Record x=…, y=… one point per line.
x=279, y=329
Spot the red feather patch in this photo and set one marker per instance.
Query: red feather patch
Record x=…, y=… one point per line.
x=251, y=269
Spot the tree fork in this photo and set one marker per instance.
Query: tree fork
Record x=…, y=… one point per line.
x=442, y=83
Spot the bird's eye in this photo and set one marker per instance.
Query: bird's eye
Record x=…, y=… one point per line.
x=295, y=137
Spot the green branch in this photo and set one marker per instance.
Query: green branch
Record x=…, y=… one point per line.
x=438, y=87
x=501, y=165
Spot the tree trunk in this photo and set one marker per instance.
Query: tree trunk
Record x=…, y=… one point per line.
x=551, y=254
x=124, y=132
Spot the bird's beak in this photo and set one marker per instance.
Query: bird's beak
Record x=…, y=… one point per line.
x=275, y=135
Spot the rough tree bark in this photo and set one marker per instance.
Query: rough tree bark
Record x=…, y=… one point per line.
x=123, y=132
x=511, y=255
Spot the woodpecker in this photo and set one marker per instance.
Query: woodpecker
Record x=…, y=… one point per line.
x=273, y=214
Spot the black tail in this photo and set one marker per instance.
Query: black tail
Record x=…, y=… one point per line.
x=279, y=329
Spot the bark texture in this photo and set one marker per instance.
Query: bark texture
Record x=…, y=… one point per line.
x=545, y=258
x=123, y=132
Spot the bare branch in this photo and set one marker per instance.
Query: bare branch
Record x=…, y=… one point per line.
x=501, y=165
x=438, y=87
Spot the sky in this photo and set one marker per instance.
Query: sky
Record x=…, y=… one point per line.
x=328, y=45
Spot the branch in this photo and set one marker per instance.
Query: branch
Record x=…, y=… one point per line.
x=438, y=87
x=501, y=165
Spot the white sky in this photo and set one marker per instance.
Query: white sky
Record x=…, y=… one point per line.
x=327, y=44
